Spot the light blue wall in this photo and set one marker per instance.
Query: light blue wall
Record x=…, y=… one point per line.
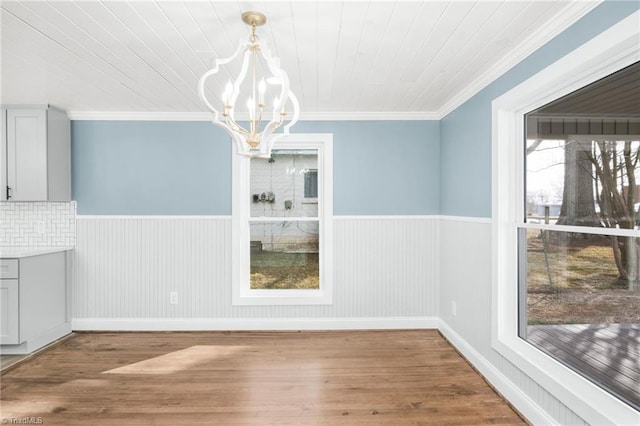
x=383, y=167
x=184, y=168
x=466, y=133
x=149, y=168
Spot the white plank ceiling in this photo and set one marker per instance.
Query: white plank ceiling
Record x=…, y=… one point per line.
x=399, y=58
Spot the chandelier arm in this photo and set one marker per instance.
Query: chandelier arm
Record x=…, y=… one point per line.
x=265, y=150
x=236, y=127
x=215, y=70
x=239, y=79
x=236, y=137
x=285, y=93
x=295, y=114
x=241, y=147
x=274, y=66
x=232, y=124
x=202, y=94
x=259, y=121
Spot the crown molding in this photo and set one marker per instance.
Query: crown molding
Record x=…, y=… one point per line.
x=567, y=17
x=205, y=116
x=138, y=116
x=370, y=116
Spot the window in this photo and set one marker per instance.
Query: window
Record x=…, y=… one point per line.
x=580, y=251
x=311, y=183
x=282, y=252
x=525, y=253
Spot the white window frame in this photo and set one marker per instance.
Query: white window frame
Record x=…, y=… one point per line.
x=608, y=52
x=242, y=294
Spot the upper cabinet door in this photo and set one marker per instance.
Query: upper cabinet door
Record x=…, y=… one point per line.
x=27, y=154
x=35, y=155
x=3, y=155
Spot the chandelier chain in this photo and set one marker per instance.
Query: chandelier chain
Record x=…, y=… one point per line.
x=254, y=37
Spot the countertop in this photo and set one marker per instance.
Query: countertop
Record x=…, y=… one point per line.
x=20, y=252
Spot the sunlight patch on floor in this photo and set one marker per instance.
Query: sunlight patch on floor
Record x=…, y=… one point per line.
x=27, y=407
x=178, y=360
x=85, y=383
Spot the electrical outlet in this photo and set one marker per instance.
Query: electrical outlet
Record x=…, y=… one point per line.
x=454, y=308
x=173, y=297
x=40, y=227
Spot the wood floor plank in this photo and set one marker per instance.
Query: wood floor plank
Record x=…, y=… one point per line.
x=253, y=378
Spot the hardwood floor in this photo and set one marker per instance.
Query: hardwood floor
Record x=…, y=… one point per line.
x=7, y=361
x=255, y=378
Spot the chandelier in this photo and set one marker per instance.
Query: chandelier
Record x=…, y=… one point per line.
x=259, y=94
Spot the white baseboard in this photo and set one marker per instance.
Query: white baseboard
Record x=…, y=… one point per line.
x=202, y=324
x=525, y=405
x=37, y=342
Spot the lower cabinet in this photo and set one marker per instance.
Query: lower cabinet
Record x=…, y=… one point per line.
x=9, y=312
x=33, y=302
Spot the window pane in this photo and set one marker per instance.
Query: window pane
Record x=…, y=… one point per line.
x=284, y=255
x=582, y=297
x=311, y=184
x=583, y=182
x=544, y=180
x=279, y=185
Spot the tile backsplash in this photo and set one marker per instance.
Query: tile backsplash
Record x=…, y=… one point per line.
x=37, y=224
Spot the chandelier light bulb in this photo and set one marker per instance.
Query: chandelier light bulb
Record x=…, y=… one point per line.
x=250, y=107
x=262, y=87
x=226, y=95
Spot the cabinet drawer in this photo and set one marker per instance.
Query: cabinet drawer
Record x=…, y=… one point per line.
x=8, y=268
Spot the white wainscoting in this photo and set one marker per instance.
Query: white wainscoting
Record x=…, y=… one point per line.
x=465, y=262
x=123, y=269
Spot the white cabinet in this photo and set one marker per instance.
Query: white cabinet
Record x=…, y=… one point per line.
x=33, y=302
x=36, y=155
x=9, y=302
x=9, y=311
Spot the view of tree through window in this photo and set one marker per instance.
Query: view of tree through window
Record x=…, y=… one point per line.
x=580, y=245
